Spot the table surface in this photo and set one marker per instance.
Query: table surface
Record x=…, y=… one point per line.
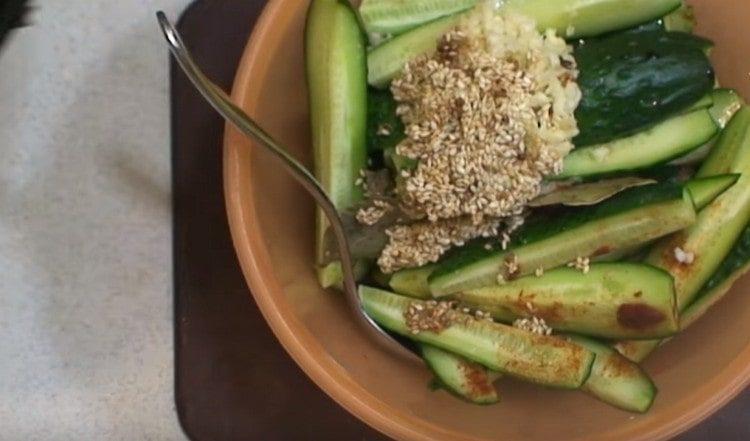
x=85, y=228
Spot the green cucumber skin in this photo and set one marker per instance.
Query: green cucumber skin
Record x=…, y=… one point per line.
x=635, y=216
x=716, y=230
x=673, y=138
x=718, y=226
x=413, y=282
x=633, y=81
x=613, y=300
x=337, y=80
x=723, y=157
x=734, y=266
x=539, y=359
x=615, y=380
x=726, y=103
x=381, y=112
x=585, y=18
x=398, y=16
x=704, y=103
x=463, y=378
x=706, y=190
x=387, y=60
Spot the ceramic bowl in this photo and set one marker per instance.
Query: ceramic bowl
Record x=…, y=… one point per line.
x=271, y=221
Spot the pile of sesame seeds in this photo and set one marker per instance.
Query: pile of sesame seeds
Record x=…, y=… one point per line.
x=430, y=316
x=420, y=243
x=467, y=116
x=485, y=123
x=533, y=324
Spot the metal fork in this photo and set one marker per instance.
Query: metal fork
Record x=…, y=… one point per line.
x=224, y=106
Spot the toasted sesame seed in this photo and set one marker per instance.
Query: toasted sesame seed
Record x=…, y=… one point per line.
x=533, y=324
x=684, y=257
x=384, y=130
x=511, y=266
x=582, y=264
x=486, y=122
x=501, y=279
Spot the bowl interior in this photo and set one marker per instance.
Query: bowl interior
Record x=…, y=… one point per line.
x=271, y=220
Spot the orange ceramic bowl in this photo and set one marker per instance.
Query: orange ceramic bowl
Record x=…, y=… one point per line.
x=271, y=220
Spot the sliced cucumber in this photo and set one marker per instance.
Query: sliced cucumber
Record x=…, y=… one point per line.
x=632, y=81
x=636, y=350
x=586, y=18
x=726, y=103
x=413, y=282
x=722, y=158
x=466, y=379
x=680, y=20
x=719, y=225
x=717, y=228
x=570, y=18
x=704, y=103
x=615, y=380
x=612, y=300
x=539, y=359
x=705, y=190
x=332, y=275
x=736, y=265
x=337, y=80
x=635, y=216
x=668, y=140
x=386, y=61
x=397, y=16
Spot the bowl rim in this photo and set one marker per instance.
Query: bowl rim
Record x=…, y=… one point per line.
x=308, y=353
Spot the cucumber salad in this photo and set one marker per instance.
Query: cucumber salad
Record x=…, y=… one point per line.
x=545, y=190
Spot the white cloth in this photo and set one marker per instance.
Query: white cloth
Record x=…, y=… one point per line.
x=85, y=238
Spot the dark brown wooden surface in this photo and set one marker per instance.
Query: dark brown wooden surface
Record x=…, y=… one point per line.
x=233, y=381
